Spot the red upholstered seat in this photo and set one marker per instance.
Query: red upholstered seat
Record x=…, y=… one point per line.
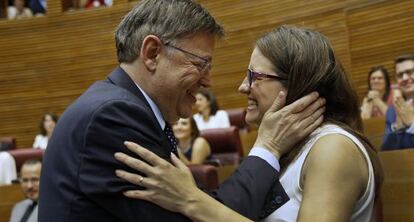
x=225, y=144
x=206, y=176
x=21, y=155
x=237, y=118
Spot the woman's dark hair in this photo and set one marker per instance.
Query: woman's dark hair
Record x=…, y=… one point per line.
x=214, y=107
x=386, y=78
x=306, y=58
x=194, y=129
x=41, y=125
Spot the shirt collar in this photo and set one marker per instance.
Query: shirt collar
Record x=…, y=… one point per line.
x=154, y=108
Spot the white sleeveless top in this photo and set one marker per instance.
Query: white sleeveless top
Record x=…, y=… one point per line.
x=290, y=181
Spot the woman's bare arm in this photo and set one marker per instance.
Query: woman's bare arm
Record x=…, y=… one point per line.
x=334, y=176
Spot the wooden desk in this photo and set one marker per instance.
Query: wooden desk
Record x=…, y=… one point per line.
x=9, y=195
x=398, y=188
x=374, y=130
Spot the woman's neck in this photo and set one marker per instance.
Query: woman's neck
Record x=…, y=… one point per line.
x=185, y=144
x=206, y=114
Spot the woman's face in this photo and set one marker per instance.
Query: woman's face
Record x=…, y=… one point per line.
x=182, y=129
x=263, y=91
x=201, y=103
x=377, y=81
x=49, y=124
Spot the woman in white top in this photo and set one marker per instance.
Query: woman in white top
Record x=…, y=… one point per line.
x=46, y=126
x=333, y=175
x=209, y=116
x=18, y=11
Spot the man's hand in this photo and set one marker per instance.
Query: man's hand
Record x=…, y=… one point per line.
x=404, y=111
x=280, y=128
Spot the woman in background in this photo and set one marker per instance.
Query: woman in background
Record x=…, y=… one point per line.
x=193, y=149
x=376, y=102
x=209, y=116
x=46, y=126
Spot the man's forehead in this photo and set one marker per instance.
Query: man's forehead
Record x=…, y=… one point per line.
x=29, y=169
x=407, y=64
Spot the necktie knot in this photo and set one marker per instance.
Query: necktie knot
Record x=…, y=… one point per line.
x=171, y=138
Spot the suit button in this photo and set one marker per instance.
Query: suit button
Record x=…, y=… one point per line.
x=278, y=199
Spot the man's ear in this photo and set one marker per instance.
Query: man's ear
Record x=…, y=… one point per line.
x=150, y=49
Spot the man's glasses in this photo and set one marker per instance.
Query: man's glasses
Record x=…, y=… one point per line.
x=28, y=180
x=203, y=67
x=409, y=72
x=253, y=76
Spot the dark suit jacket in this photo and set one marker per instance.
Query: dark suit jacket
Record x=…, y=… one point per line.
x=78, y=182
x=394, y=140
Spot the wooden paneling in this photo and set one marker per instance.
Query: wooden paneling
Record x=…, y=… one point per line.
x=46, y=63
x=398, y=188
x=9, y=196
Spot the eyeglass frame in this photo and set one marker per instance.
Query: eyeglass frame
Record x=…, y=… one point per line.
x=252, y=76
x=409, y=72
x=33, y=180
x=206, y=63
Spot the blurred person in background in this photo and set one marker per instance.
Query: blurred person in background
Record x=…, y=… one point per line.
x=193, y=149
x=7, y=168
x=375, y=103
x=399, y=131
x=209, y=115
x=18, y=11
x=46, y=127
x=26, y=210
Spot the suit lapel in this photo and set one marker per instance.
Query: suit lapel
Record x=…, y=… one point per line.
x=120, y=78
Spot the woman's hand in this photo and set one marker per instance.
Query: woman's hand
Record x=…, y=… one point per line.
x=169, y=186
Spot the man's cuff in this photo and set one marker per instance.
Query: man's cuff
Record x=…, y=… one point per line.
x=410, y=129
x=266, y=155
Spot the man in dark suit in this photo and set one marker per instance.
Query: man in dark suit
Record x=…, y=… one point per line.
x=165, y=50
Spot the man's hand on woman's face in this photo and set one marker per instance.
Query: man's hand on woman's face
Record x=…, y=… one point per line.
x=281, y=128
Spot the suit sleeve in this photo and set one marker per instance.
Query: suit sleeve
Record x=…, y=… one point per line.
x=253, y=190
x=111, y=125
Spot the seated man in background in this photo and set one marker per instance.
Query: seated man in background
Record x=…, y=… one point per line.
x=26, y=210
x=399, y=131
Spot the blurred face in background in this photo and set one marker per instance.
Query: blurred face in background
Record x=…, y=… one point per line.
x=30, y=177
x=182, y=129
x=263, y=91
x=19, y=4
x=202, y=103
x=49, y=124
x=404, y=72
x=377, y=81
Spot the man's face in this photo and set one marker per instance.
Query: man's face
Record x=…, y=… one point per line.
x=404, y=72
x=30, y=176
x=180, y=75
